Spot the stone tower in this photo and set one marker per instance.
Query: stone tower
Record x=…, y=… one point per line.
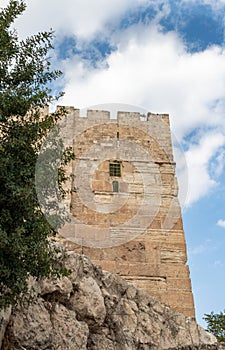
x=124, y=204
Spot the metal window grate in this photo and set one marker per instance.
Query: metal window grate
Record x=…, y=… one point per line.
x=114, y=169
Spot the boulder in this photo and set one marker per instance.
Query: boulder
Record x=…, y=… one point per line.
x=94, y=309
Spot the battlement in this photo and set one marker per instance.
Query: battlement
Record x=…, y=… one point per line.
x=122, y=116
x=149, y=125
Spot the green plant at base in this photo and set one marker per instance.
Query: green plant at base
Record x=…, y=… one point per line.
x=216, y=324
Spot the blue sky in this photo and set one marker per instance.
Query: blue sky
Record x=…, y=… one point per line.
x=163, y=56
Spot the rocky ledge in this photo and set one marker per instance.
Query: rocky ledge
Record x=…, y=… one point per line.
x=94, y=309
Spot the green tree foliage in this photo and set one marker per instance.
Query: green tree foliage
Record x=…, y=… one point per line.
x=216, y=324
x=25, y=235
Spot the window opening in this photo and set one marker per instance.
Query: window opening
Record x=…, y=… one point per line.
x=115, y=169
x=115, y=186
x=117, y=139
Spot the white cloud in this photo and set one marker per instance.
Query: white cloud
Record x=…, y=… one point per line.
x=221, y=223
x=216, y=5
x=181, y=172
x=197, y=250
x=204, y=247
x=82, y=18
x=219, y=164
x=218, y=263
x=198, y=160
x=153, y=70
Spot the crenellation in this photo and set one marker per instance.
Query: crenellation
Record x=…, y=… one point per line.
x=128, y=116
x=121, y=115
x=70, y=110
x=98, y=114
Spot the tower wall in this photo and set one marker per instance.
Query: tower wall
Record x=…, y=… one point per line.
x=129, y=224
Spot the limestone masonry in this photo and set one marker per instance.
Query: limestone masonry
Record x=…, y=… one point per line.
x=124, y=202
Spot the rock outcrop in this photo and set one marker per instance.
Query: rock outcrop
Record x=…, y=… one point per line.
x=94, y=309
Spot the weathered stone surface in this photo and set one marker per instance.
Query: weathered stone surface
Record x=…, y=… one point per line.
x=62, y=286
x=102, y=311
x=30, y=328
x=135, y=231
x=88, y=301
x=4, y=320
x=68, y=333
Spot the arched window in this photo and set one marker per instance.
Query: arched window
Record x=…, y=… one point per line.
x=115, y=185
